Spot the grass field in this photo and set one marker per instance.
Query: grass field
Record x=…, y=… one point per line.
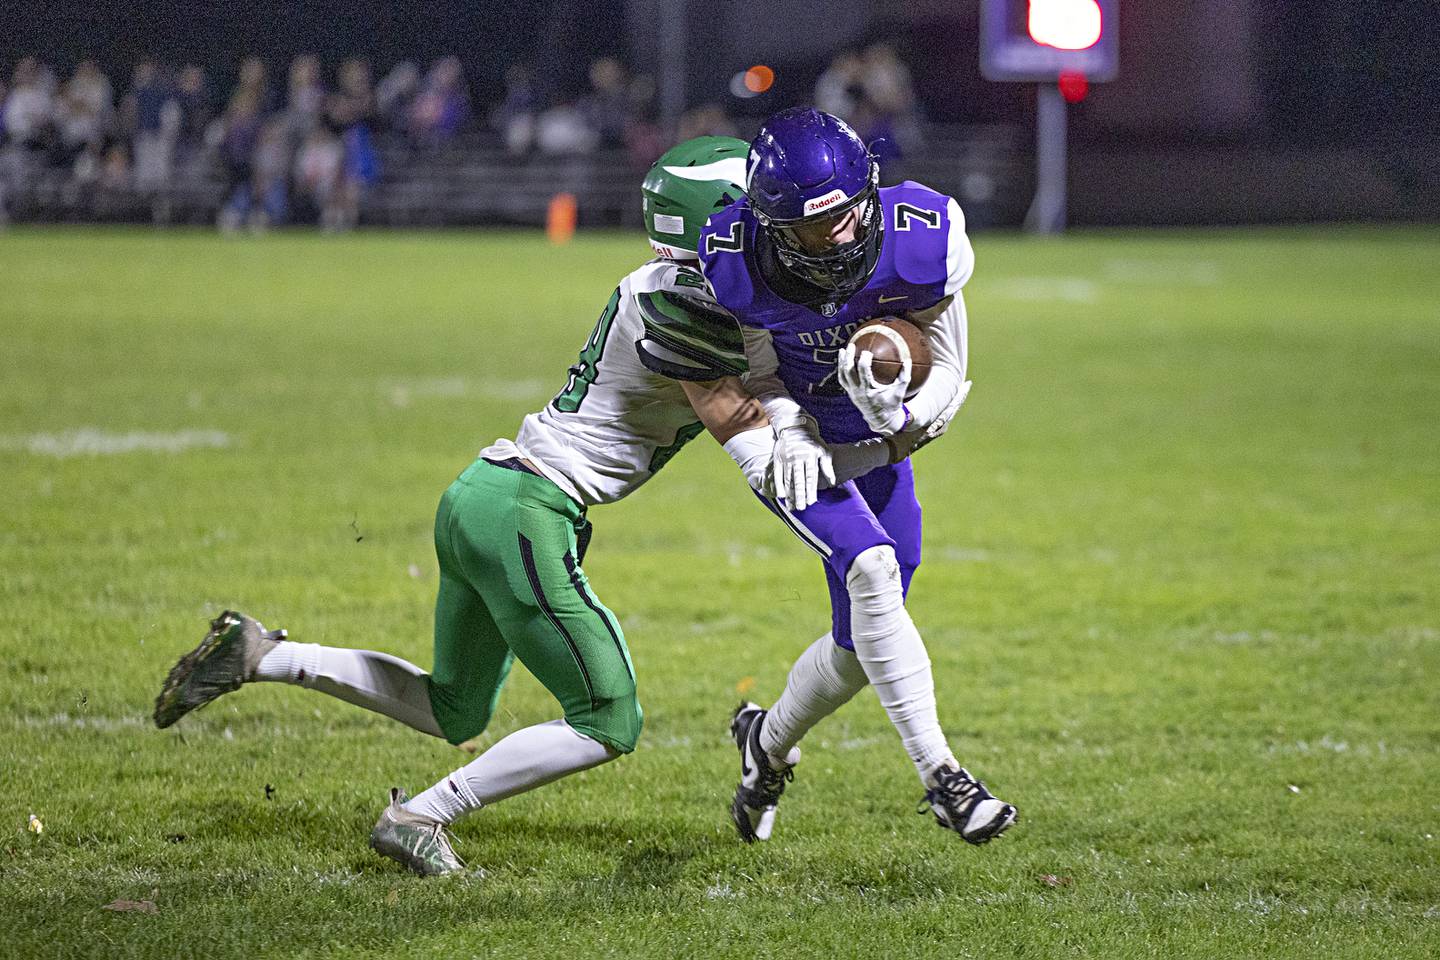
x=1179, y=587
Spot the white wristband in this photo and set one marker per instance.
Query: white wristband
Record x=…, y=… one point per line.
x=753, y=450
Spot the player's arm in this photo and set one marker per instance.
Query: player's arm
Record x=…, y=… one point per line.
x=762, y=379
x=803, y=463
x=739, y=423
x=945, y=327
x=883, y=404
x=947, y=336
x=691, y=339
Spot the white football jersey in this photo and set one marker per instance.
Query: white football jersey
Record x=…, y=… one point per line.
x=622, y=414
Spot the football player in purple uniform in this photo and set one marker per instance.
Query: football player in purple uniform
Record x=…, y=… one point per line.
x=814, y=250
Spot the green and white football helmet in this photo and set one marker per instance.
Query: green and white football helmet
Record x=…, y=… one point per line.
x=685, y=186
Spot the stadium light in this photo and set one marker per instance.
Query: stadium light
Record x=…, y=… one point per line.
x=1063, y=46
x=1065, y=24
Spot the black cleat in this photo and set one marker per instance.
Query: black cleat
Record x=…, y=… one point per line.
x=761, y=784
x=961, y=803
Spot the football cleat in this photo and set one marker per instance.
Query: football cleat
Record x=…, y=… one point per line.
x=961, y=803
x=417, y=843
x=225, y=659
x=761, y=784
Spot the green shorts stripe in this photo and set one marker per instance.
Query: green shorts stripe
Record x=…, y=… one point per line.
x=577, y=581
x=527, y=557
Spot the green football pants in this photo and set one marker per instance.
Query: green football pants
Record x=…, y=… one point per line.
x=510, y=586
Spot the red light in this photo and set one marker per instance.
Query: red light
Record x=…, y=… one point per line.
x=1073, y=86
x=1065, y=24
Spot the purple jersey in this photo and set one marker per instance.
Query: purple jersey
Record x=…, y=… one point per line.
x=917, y=268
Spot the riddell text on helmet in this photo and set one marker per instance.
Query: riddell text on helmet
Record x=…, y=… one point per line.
x=829, y=200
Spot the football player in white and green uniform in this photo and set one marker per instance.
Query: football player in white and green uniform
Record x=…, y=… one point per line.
x=662, y=365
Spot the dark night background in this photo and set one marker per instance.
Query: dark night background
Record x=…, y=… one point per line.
x=1304, y=70
x=1227, y=111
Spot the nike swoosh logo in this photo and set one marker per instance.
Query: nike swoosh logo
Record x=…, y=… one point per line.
x=893, y=299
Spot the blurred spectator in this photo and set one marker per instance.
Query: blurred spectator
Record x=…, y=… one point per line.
x=874, y=93
x=317, y=173
x=306, y=101
x=270, y=177
x=239, y=136
x=353, y=102
x=887, y=82
x=644, y=139
x=87, y=106
x=563, y=130
x=254, y=78
x=707, y=120
x=151, y=121
x=514, y=117
x=196, y=109
x=891, y=124
x=442, y=106
x=30, y=106
x=352, y=111
x=395, y=94
x=841, y=88
x=607, y=106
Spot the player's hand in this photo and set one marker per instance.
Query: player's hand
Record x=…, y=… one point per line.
x=908, y=441
x=881, y=404
x=801, y=460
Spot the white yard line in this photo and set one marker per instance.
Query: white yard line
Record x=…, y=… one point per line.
x=403, y=391
x=93, y=442
x=1041, y=289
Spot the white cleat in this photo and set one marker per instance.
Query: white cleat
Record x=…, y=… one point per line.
x=417, y=842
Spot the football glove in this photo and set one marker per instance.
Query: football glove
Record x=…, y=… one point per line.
x=881, y=404
x=801, y=460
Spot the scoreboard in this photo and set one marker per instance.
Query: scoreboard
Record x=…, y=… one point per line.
x=1040, y=41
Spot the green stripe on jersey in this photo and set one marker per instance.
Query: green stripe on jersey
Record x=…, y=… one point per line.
x=694, y=329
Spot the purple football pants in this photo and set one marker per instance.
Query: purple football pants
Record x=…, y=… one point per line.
x=878, y=509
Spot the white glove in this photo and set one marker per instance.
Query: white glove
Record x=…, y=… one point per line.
x=881, y=404
x=801, y=459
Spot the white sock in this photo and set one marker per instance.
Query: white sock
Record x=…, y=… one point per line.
x=524, y=760
x=375, y=681
x=822, y=680
x=893, y=656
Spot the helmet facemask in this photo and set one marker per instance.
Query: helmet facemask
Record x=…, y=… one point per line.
x=841, y=268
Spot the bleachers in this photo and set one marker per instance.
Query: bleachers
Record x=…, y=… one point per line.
x=471, y=182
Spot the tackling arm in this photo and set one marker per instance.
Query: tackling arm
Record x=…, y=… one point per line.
x=738, y=421
x=763, y=381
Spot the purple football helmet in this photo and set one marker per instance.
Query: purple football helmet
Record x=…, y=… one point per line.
x=809, y=170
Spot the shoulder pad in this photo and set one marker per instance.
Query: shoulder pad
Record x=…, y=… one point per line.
x=687, y=338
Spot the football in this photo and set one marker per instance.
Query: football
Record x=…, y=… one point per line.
x=890, y=340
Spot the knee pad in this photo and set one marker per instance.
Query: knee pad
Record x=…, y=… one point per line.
x=874, y=577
